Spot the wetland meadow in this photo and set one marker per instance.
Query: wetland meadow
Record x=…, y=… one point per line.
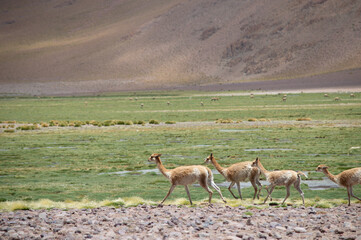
x=92, y=151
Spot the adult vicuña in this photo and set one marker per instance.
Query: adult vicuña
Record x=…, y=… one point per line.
x=186, y=175
x=238, y=172
x=281, y=178
x=346, y=179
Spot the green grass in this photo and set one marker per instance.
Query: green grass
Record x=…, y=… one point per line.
x=73, y=164
x=184, y=107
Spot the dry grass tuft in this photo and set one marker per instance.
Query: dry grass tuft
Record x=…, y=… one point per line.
x=224, y=121
x=304, y=119
x=135, y=201
x=252, y=120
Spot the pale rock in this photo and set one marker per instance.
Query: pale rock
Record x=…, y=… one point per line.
x=300, y=230
x=277, y=235
x=274, y=224
x=43, y=215
x=281, y=228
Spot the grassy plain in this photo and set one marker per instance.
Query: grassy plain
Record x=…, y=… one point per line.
x=183, y=107
x=103, y=163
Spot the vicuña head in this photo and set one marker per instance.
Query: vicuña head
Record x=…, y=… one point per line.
x=209, y=159
x=321, y=168
x=154, y=157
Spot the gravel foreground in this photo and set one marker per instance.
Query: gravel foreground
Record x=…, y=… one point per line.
x=181, y=222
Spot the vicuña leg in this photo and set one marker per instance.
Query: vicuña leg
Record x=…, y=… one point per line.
x=254, y=179
x=288, y=193
x=189, y=195
x=297, y=185
x=239, y=189
x=169, y=192
x=204, y=185
x=218, y=190
x=349, y=195
x=260, y=187
x=353, y=194
x=255, y=189
x=230, y=187
x=270, y=192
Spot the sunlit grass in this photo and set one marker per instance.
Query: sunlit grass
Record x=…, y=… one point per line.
x=135, y=201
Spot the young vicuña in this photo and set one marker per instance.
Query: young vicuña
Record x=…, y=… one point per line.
x=281, y=178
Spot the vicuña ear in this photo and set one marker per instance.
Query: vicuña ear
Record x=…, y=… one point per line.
x=211, y=154
x=159, y=155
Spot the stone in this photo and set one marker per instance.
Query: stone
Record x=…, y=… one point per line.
x=43, y=215
x=300, y=230
x=239, y=235
x=175, y=235
x=338, y=231
x=281, y=228
x=274, y=224
x=262, y=235
x=277, y=235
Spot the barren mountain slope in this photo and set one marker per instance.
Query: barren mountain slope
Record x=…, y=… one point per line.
x=138, y=44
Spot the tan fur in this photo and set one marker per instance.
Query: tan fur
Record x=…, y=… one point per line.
x=346, y=179
x=187, y=175
x=238, y=172
x=281, y=178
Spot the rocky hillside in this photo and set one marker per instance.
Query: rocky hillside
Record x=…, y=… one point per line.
x=110, y=45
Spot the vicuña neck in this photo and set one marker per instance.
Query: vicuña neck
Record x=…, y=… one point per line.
x=161, y=168
x=263, y=170
x=217, y=166
x=332, y=177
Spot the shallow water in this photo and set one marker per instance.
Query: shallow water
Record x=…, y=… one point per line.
x=312, y=184
x=202, y=145
x=238, y=130
x=62, y=147
x=323, y=184
x=124, y=173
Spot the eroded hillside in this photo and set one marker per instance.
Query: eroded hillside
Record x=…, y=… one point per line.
x=76, y=46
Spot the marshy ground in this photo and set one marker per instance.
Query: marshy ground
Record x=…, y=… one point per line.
x=73, y=150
